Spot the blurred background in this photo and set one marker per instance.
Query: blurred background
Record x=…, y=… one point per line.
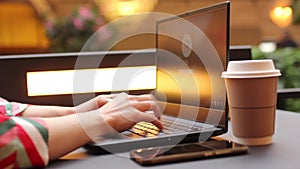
x=29, y=26
x=271, y=27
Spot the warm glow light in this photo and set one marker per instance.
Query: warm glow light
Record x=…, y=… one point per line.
x=126, y=8
x=106, y=79
x=283, y=12
x=114, y=9
x=282, y=16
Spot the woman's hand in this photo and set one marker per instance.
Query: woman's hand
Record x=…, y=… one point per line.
x=124, y=111
x=119, y=113
x=94, y=103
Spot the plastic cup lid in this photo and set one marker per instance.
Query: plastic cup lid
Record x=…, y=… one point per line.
x=251, y=69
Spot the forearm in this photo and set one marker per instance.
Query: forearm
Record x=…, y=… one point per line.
x=65, y=135
x=47, y=111
x=54, y=111
x=69, y=132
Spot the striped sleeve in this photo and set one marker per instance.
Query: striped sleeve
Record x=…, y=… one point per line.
x=11, y=108
x=23, y=142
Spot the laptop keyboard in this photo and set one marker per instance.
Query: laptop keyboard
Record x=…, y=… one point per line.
x=146, y=129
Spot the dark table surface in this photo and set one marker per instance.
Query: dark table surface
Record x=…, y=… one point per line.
x=284, y=153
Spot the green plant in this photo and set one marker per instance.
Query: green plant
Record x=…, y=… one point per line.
x=287, y=60
x=296, y=10
x=69, y=34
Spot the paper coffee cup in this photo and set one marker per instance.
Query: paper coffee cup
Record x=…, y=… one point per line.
x=252, y=94
x=251, y=69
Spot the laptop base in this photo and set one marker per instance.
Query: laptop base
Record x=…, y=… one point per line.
x=119, y=147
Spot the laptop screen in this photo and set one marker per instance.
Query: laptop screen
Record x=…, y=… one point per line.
x=192, y=52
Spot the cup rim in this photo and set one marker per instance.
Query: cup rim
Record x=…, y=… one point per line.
x=251, y=74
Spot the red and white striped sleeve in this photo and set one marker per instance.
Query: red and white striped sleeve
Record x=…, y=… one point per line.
x=11, y=108
x=23, y=141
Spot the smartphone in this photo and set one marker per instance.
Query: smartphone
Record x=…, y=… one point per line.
x=185, y=152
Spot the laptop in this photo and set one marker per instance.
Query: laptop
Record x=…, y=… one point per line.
x=191, y=53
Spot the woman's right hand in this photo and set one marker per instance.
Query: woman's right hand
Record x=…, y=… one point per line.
x=120, y=112
x=124, y=111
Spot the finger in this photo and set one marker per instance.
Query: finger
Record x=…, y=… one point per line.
x=151, y=119
x=157, y=123
x=103, y=99
x=110, y=96
x=135, y=112
x=143, y=97
x=146, y=106
x=155, y=107
x=153, y=103
x=146, y=97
